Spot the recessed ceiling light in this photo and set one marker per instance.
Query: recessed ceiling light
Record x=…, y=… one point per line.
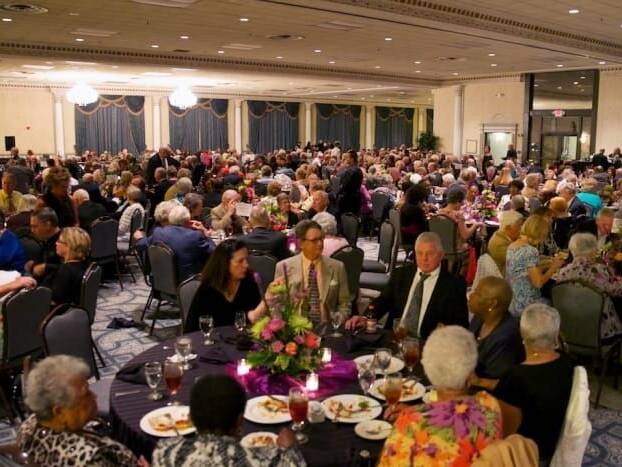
x=349, y=89
x=244, y=20
x=221, y=52
x=184, y=37
x=388, y=38
x=491, y=54
x=49, y=63
x=576, y=82
x=455, y=73
x=79, y=39
x=417, y=62
x=332, y=62
x=493, y=64
x=402, y=92
x=155, y=46
x=115, y=66
x=536, y=85
x=7, y=20
x=317, y=51
x=362, y=98
x=73, y=13
x=583, y=77
x=559, y=65
x=377, y=67
x=602, y=63
x=417, y=71
x=371, y=95
x=581, y=90
x=279, y=57
x=389, y=99
x=560, y=88
x=574, y=11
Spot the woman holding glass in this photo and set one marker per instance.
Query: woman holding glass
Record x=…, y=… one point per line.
x=227, y=287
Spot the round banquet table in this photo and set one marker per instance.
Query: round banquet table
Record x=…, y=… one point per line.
x=330, y=444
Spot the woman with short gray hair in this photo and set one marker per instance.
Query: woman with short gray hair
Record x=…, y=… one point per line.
x=332, y=242
x=442, y=427
x=537, y=391
x=62, y=404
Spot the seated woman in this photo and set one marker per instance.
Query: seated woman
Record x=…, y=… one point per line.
x=56, y=196
x=134, y=195
x=12, y=256
x=61, y=402
x=562, y=222
x=586, y=268
x=413, y=218
x=227, y=286
x=452, y=210
x=538, y=390
x=287, y=216
x=332, y=242
x=456, y=426
x=217, y=405
x=73, y=246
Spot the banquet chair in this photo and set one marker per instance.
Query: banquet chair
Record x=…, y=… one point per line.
x=128, y=248
x=31, y=247
x=104, y=243
x=164, y=279
x=385, y=249
x=186, y=292
x=380, y=205
x=394, y=218
x=88, y=297
x=350, y=225
x=264, y=265
x=581, y=309
x=146, y=216
x=352, y=259
x=447, y=230
x=486, y=266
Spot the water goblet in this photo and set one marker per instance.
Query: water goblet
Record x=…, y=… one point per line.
x=240, y=321
x=153, y=375
x=206, y=323
x=336, y=319
x=367, y=377
x=382, y=357
x=183, y=347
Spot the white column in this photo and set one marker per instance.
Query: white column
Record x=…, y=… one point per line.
x=421, y=115
x=458, y=120
x=238, y=124
x=157, y=125
x=369, y=134
x=59, y=129
x=307, y=123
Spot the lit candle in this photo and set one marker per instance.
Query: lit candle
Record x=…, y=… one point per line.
x=243, y=367
x=313, y=382
x=327, y=355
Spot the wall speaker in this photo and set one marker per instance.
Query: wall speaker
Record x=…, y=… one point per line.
x=9, y=142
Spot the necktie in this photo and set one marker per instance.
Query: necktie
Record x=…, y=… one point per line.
x=411, y=320
x=314, y=294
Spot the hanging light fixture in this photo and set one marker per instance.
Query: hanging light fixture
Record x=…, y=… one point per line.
x=182, y=98
x=82, y=94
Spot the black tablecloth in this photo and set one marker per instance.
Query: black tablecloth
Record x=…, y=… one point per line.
x=329, y=444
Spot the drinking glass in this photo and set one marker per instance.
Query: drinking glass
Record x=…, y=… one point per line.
x=206, y=323
x=298, y=407
x=153, y=375
x=183, y=347
x=173, y=371
x=367, y=377
x=393, y=388
x=336, y=318
x=410, y=348
x=382, y=358
x=240, y=321
x=399, y=332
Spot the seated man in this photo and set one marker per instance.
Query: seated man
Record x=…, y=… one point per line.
x=12, y=257
x=508, y=231
x=188, y=239
x=262, y=238
x=319, y=203
x=44, y=228
x=324, y=278
x=424, y=296
x=88, y=210
x=9, y=197
x=224, y=216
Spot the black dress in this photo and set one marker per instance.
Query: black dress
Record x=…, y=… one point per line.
x=413, y=222
x=66, y=282
x=63, y=209
x=209, y=301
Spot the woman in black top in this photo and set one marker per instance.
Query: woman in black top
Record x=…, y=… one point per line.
x=56, y=196
x=285, y=210
x=73, y=246
x=413, y=218
x=227, y=286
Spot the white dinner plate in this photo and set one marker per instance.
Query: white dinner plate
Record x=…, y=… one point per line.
x=351, y=408
x=262, y=410
x=177, y=359
x=411, y=390
x=374, y=430
x=177, y=412
x=258, y=438
x=395, y=366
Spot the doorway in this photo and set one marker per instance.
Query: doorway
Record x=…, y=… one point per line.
x=559, y=147
x=498, y=142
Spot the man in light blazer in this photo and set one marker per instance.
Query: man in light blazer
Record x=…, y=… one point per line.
x=331, y=275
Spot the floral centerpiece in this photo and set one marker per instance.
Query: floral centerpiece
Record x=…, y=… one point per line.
x=278, y=221
x=285, y=337
x=246, y=191
x=487, y=204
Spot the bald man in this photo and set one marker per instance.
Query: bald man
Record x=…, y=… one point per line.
x=224, y=216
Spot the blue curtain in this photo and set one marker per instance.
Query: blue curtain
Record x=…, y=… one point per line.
x=203, y=126
x=394, y=127
x=113, y=123
x=339, y=123
x=272, y=125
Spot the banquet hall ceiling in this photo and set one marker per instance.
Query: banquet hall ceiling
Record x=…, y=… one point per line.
x=373, y=50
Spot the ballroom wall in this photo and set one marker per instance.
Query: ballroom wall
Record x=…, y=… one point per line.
x=609, y=120
x=444, y=117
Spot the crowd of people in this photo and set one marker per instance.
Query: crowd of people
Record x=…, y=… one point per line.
x=502, y=371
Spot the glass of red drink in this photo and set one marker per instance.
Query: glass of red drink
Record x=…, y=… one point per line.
x=410, y=347
x=173, y=371
x=298, y=407
x=393, y=388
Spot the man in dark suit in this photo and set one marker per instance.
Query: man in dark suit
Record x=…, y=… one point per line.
x=511, y=154
x=161, y=187
x=424, y=296
x=162, y=159
x=599, y=159
x=88, y=211
x=568, y=191
x=349, y=190
x=261, y=238
x=233, y=178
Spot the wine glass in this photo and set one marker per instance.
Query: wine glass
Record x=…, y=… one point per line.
x=240, y=321
x=382, y=357
x=393, y=388
x=410, y=348
x=298, y=404
x=183, y=347
x=153, y=375
x=173, y=371
x=367, y=377
x=336, y=318
x=206, y=323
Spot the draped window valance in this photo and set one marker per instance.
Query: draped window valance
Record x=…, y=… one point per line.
x=258, y=109
x=326, y=111
x=394, y=126
x=339, y=123
x=272, y=125
x=202, y=126
x=113, y=123
x=216, y=106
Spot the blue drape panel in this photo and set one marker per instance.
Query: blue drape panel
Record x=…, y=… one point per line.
x=272, y=125
x=394, y=127
x=339, y=123
x=203, y=126
x=111, y=124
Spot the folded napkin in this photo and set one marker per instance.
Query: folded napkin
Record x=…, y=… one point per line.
x=120, y=323
x=358, y=341
x=216, y=356
x=241, y=341
x=133, y=374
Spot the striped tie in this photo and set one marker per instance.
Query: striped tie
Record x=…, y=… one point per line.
x=314, y=294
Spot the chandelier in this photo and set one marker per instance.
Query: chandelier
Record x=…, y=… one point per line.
x=82, y=94
x=182, y=98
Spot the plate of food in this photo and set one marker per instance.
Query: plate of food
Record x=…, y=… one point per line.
x=162, y=422
x=259, y=439
x=373, y=429
x=351, y=408
x=411, y=390
x=367, y=360
x=267, y=410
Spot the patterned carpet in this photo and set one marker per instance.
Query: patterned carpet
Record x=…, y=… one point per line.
x=118, y=346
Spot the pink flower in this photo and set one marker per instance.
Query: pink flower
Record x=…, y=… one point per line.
x=266, y=334
x=277, y=346
x=275, y=325
x=299, y=340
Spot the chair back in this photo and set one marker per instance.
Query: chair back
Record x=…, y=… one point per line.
x=580, y=308
x=67, y=331
x=146, y=216
x=380, y=205
x=31, y=247
x=90, y=287
x=163, y=269
x=265, y=266
x=486, y=266
x=447, y=230
x=186, y=292
x=104, y=238
x=352, y=259
x=136, y=222
x=22, y=314
x=350, y=227
x=387, y=238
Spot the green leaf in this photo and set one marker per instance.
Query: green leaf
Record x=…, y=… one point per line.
x=259, y=326
x=282, y=361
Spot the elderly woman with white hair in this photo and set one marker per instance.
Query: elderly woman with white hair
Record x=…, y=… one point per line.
x=133, y=199
x=332, y=242
x=537, y=391
x=586, y=268
x=456, y=426
x=58, y=394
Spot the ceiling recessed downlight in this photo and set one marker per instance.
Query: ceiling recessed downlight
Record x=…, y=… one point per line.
x=7, y=20
x=574, y=11
x=184, y=37
x=377, y=67
x=455, y=73
x=388, y=38
x=317, y=51
x=279, y=57
x=602, y=63
x=155, y=46
x=244, y=20
x=79, y=39
x=559, y=65
x=493, y=64
x=491, y=54
x=221, y=52
x=417, y=71
x=332, y=62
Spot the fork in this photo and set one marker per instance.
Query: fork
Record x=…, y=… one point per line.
x=339, y=408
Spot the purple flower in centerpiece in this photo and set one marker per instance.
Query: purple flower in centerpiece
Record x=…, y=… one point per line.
x=458, y=415
x=277, y=346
